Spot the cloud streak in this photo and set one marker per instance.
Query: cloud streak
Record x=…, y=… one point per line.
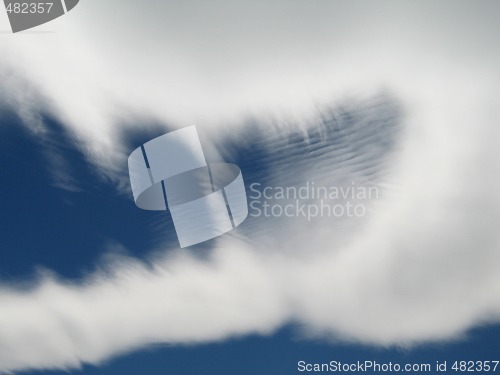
x=428, y=254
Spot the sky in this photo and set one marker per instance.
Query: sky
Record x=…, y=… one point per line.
x=398, y=96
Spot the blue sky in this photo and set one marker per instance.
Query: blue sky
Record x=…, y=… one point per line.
x=67, y=231
x=280, y=353
x=340, y=94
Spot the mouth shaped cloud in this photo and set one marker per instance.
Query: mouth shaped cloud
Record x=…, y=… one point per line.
x=423, y=263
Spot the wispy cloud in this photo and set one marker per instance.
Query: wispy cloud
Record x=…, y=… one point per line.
x=427, y=253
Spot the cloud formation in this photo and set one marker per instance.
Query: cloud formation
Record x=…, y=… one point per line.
x=422, y=266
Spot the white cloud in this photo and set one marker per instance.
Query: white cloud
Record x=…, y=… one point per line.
x=423, y=266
